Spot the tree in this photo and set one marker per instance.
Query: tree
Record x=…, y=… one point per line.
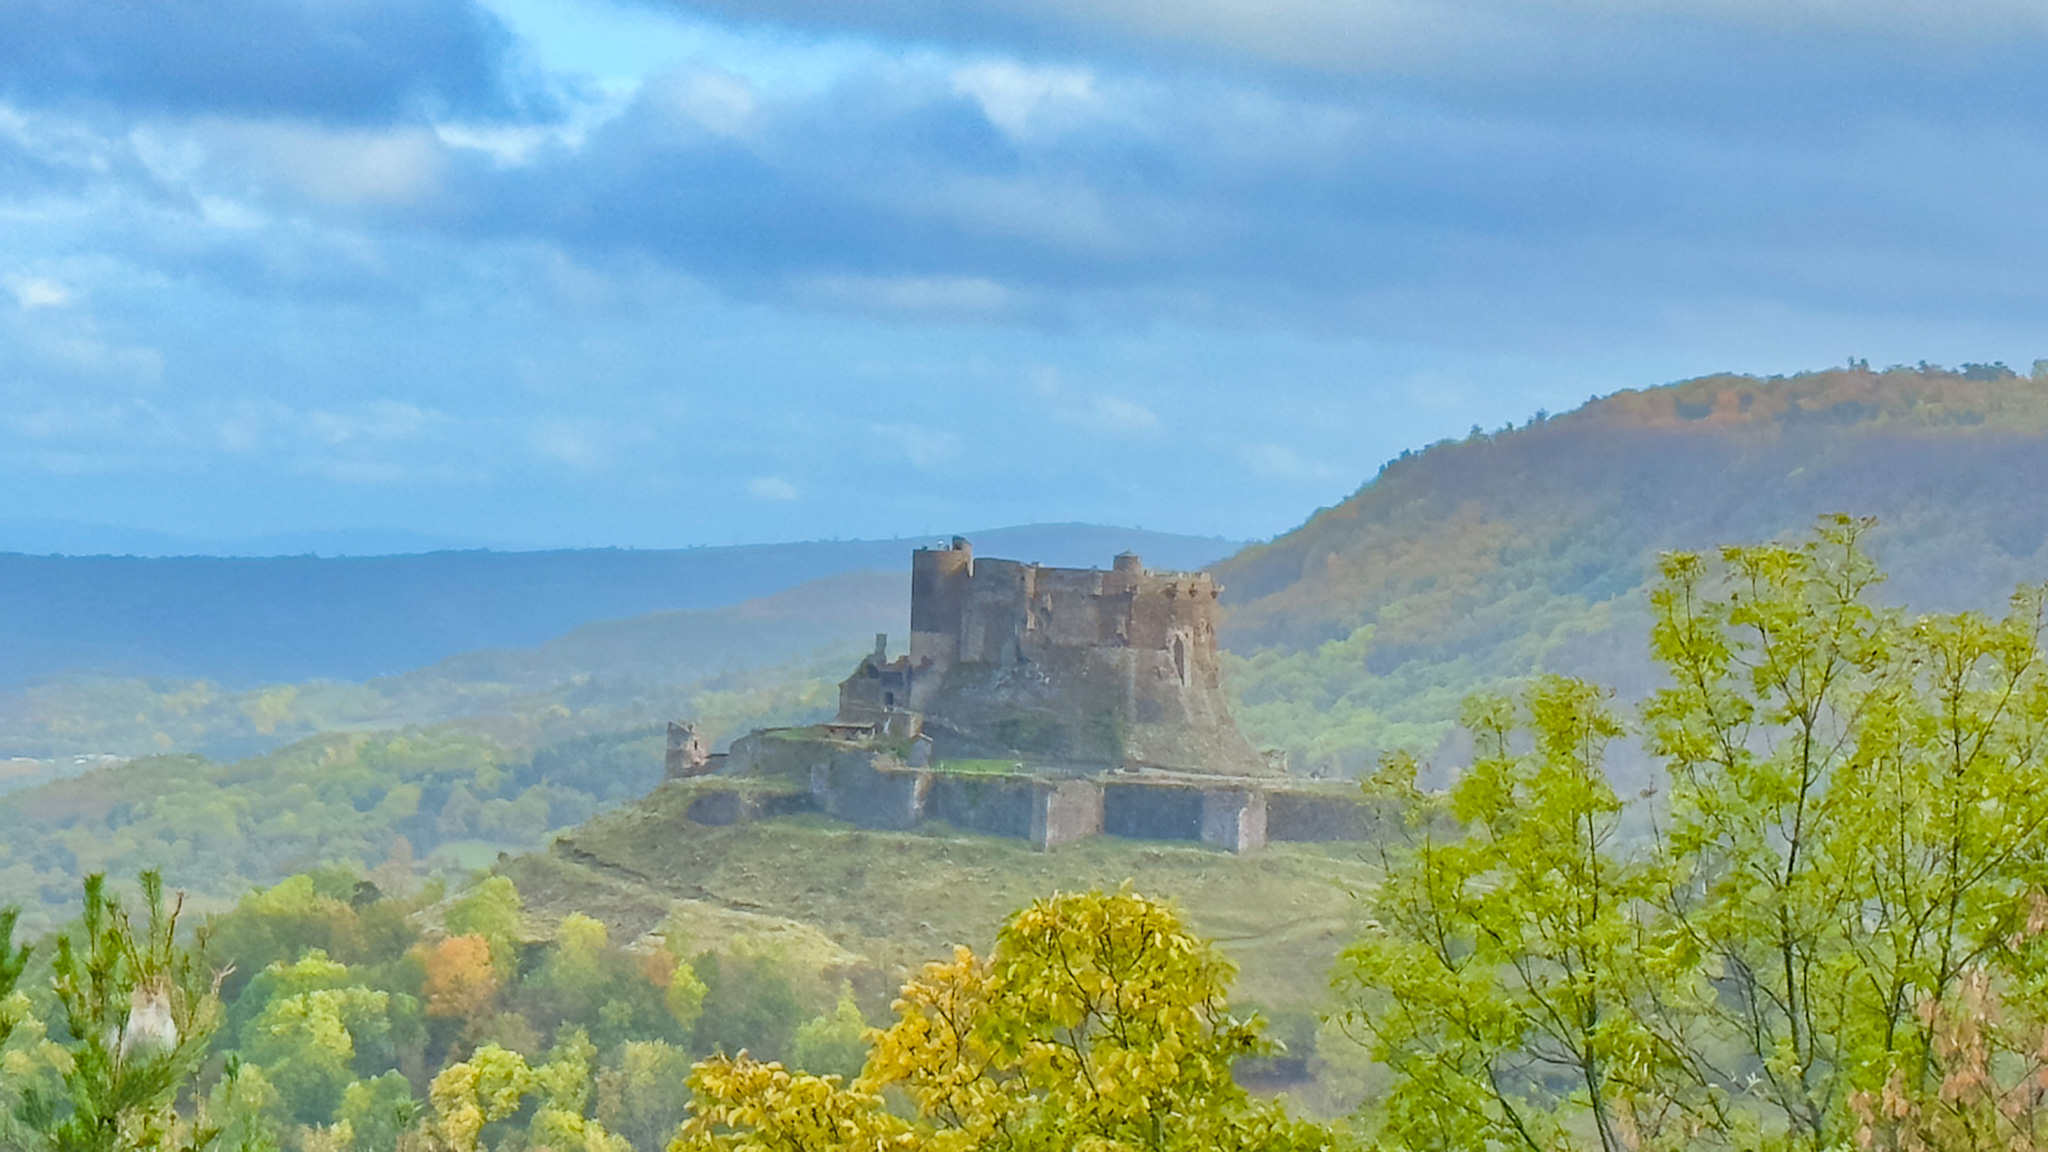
x=139, y=1009
x=834, y=1042
x=13, y=962
x=460, y=981
x=1503, y=964
x=493, y=1085
x=644, y=1095
x=1097, y=1021
x=1831, y=931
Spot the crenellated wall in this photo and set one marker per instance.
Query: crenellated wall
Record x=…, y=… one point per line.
x=1064, y=665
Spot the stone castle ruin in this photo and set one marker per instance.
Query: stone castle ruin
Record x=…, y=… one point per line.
x=1059, y=666
x=1046, y=703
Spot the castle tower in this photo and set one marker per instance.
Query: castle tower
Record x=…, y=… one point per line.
x=938, y=595
x=1071, y=667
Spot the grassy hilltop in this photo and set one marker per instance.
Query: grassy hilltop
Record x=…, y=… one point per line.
x=1476, y=561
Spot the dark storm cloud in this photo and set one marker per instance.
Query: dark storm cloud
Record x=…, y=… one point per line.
x=367, y=61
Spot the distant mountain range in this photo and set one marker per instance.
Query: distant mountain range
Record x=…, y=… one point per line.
x=41, y=536
x=245, y=621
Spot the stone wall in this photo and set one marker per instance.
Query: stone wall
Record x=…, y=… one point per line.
x=1065, y=811
x=1234, y=819
x=990, y=805
x=854, y=787
x=1152, y=811
x=1314, y=816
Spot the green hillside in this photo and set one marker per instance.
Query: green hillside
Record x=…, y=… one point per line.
x=1485, y=559
x=487, y=752
x=633, y=666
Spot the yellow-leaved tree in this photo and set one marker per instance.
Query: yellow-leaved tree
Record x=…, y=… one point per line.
x=1097, y=1022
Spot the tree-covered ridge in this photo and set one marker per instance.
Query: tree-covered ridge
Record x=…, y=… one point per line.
x=658, y=659
x=1474, y=562
x=443, y=798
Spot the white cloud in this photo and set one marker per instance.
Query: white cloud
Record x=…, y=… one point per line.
x=701, y=101
x=959, y=298
x=380, y=420
x=1027, y=102
x=772, y=488
x=31, y=293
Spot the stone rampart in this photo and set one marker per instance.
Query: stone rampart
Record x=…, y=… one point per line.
x=1065, y=811
x=992, y=805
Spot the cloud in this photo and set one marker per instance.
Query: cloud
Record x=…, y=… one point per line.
x=1401, y=37
x=347, y=168
x=1104, y=414
x=354, y=62
x=32, y=292
x=772, y=488
x=941, y=298
x=1026, y=102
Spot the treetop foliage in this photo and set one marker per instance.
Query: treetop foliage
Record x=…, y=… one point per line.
x=1827, y=930
x=1096, y=1022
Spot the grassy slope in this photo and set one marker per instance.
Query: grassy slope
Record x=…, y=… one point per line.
x=1471, y=563
x=898, y=900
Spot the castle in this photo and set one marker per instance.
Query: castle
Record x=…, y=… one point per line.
x=1046, y=703
x=1061, y=667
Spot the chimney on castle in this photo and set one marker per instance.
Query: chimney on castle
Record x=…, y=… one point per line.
x=881, y=647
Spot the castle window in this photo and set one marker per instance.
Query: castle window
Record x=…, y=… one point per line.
x=1180, y=658
x=888, y=699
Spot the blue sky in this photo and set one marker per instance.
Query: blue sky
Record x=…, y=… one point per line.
x=655, y=273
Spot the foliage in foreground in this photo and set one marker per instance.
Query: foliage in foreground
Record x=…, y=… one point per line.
x=339, y=1026
x=1097, y=1022
x=1828, y=934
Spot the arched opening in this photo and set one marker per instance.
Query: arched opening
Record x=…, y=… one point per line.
x=1180, y=658
x=888, y=699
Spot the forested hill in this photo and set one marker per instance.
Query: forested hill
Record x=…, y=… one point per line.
x=1529, y=548
x=241, y=621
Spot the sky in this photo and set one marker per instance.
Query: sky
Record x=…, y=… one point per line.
x=656, y=273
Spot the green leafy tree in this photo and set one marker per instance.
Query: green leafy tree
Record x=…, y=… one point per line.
x=491, y=910
x=643, y=1096
x=835, y=1042
x=1504, y=961
x=749, y=1002
x=378, y=1111
x=1830, y=932
x=309, y=1042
